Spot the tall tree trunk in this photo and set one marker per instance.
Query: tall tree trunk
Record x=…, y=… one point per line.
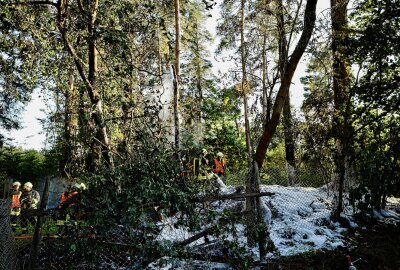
x=100, y=141
x=245, y=84
x=253, y=216
x=199, y=79
x=176, y=71
x=69, y=98
x=341, y=87
x=270, y=127
x=287, y=114
x=266, y=98
x=159, y=54
x=289, y=143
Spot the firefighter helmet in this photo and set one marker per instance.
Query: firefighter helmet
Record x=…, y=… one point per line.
x=28, y=185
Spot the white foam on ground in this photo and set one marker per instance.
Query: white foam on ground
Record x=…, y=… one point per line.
x=298, y=218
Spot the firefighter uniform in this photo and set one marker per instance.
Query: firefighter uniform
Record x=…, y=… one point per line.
x=29, y=200
x=219, y=165
x=15, y=204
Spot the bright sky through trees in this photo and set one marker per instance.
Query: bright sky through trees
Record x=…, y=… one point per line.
x=32, y=136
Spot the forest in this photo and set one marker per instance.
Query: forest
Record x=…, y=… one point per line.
x=202, y=134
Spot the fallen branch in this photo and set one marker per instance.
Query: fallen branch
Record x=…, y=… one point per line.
x=207, y=257
x=232, y=196
x=209, y=230
x=196, y=237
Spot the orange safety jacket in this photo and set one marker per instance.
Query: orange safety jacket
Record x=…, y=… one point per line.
x=15, y=203
x=64, y=198
x=219, y=166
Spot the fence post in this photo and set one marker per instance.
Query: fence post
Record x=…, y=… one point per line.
x=38, y=228
x=6, y=189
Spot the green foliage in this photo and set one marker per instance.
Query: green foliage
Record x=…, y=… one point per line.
x=378, y=168
x=136, y=196
x=221, y=113
x=21, y=165
x=374, y=47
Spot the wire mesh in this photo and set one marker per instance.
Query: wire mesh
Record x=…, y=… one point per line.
x=8, y=256
x=304, y=205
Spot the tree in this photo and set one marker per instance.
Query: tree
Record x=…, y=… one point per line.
x=177, y=70
x=196, y=76
x=270, y=126
x=245, y=85
x=109, y=73
x=317, y=107
x=287, y=114
x=342, y=97
x=22, y=165
x=19, y=74
x=374, y=49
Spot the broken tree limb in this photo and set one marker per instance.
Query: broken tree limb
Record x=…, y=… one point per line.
x=233, y=196
x=197, y=236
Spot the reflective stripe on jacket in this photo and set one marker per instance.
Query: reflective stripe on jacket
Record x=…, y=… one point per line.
x=200, y=168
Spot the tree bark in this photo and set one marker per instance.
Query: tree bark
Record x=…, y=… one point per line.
x=70, y=103
x=287, y=114
x=341, y=86
x=245, y=84
x=101, y=137
x=266, y=98
x=289, y=143
x=252, y=184
x=176, y=71
x=198, y=84
x=270, y=127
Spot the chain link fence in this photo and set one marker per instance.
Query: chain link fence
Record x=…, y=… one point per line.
x=298, y=216
x=8, y=257
x=303, y=177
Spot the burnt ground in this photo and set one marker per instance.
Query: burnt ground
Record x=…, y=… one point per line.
x=377, y=245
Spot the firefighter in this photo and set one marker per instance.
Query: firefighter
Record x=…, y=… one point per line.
x=67, y=195
x=69, y=204
x=219, y=165
x=15, y=204
x=30, y=199
x=201, y=166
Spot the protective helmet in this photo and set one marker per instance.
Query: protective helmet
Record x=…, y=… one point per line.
x=16, y=183
x=219, y=154
x=76, y=186
x=28, y=185
x=83, y=186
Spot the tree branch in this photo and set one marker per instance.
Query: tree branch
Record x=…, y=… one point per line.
x=233, y=196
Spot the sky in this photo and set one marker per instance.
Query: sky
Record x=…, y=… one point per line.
x=32, y=136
